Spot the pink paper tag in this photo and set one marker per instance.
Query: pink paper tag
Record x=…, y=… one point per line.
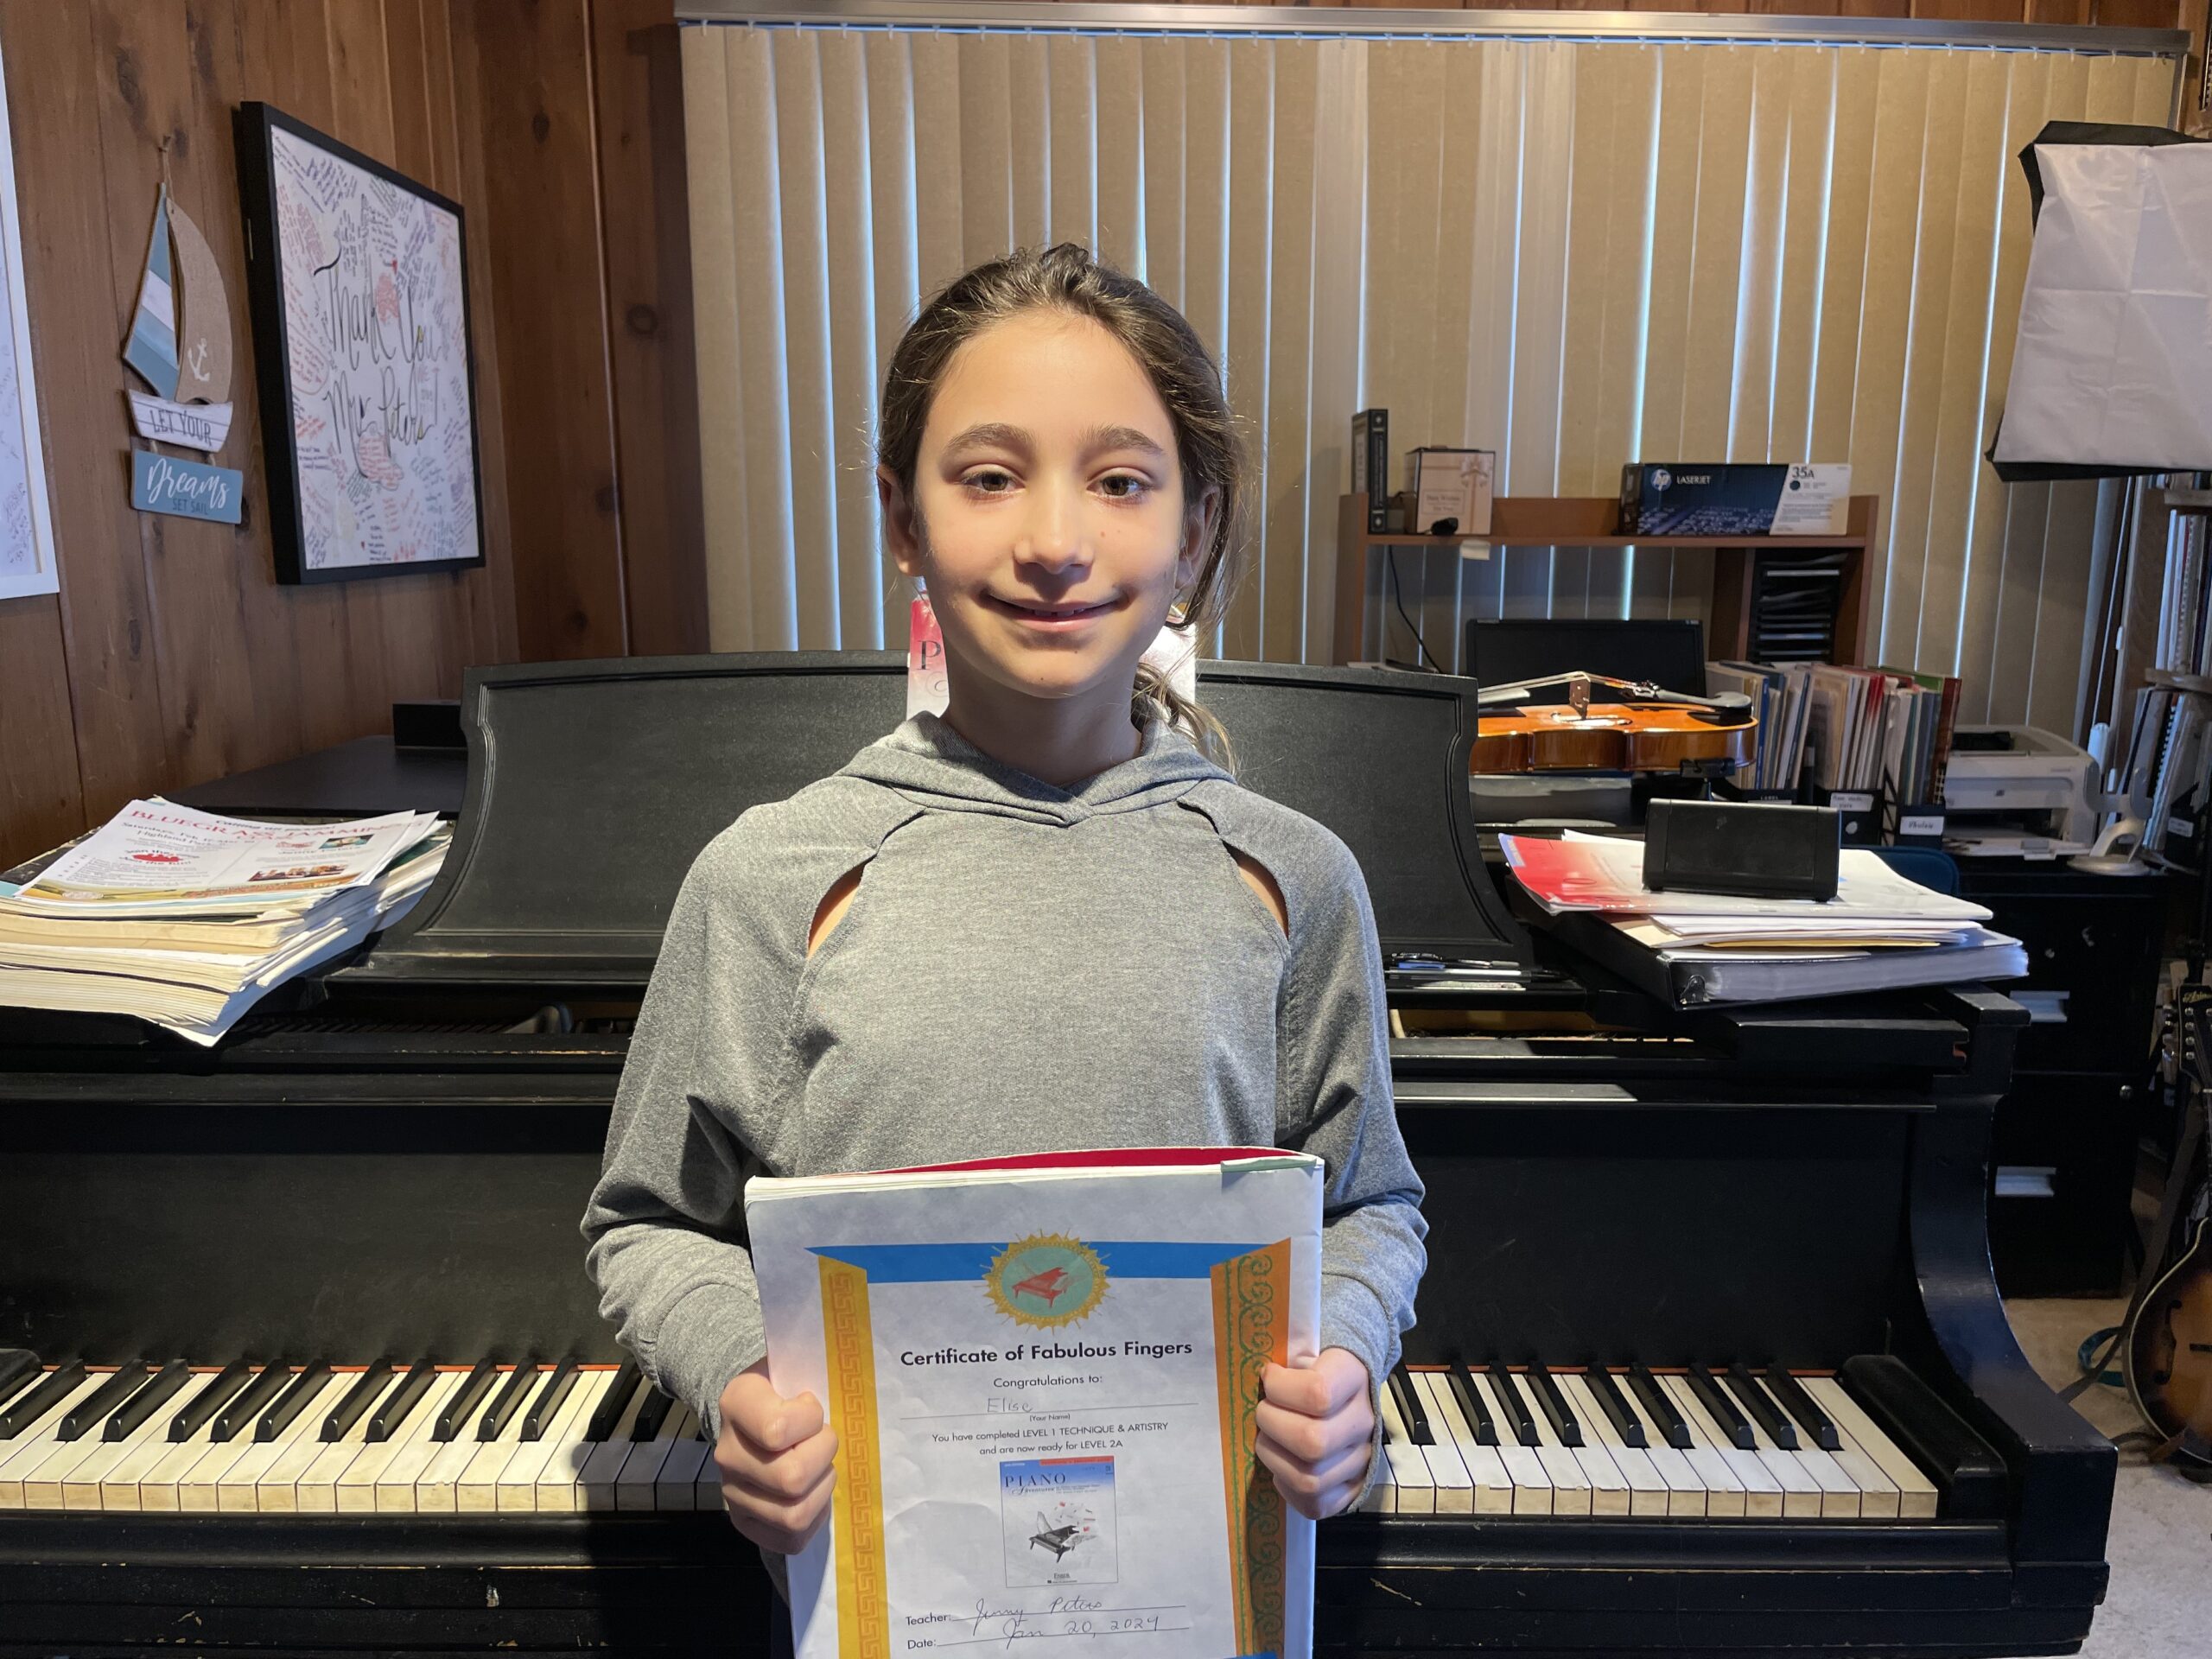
x=925, y=660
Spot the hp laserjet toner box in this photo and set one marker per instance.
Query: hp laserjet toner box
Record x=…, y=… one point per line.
x=1713, y=498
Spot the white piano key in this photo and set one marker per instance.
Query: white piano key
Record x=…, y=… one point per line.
x=1838, y=1494
x=1412, y=1490
x=595, y=1486
x=1801, y=1493
x=1492, y=1491
x=34, y=1444
x=81, y=1488
x=1763, y=1495
x=262, y=1476
x=706, y=1497
x=476, y=1489
x=1692, y=1487
x=1916, y=1498
x=1601, y=1477
x=564, y=1466
x=1532, y=1483
x=120, y=1485
x=1646, y=1491
x=357, y=1487
x=679, y=1477
x=1448, y=1474
x=436, y=1487
x=396, y=1481
x=633, y=1487
x=160, y=1481
x=316, y=1490
x=517, y=1488
x=1572, y=1493
x=41, y=1482
x=1879, y=1498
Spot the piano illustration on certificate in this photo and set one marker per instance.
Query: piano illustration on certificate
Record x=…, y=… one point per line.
x=1709, y=1358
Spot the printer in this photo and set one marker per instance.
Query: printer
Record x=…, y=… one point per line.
x=2021, y=791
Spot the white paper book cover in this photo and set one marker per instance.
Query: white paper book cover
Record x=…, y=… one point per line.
x=1043, y=1373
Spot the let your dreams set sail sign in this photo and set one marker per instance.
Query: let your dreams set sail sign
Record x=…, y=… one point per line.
x=1044, y=1374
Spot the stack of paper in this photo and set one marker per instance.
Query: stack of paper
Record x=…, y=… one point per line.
x=187, y=918
x=1881, y=931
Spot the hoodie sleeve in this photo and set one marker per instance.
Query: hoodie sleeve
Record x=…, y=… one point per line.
x=1337, y=1104
x=697, y=1110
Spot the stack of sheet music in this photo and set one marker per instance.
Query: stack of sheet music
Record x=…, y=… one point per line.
x=187, y=918
x=1880, y=930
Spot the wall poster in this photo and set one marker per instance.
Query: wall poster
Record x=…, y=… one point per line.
x=26, y=528
x=360, y=290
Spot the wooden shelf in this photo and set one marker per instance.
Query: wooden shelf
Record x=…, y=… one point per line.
x=1595, y=521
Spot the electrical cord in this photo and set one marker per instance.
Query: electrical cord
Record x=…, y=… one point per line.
x=1390, y=557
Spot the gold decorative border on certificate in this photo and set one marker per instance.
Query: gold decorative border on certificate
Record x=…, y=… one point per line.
x=857, y=1511
x=1251, y=1325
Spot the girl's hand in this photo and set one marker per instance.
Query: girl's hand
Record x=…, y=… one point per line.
x=775, y=1458
x=1317, y=1431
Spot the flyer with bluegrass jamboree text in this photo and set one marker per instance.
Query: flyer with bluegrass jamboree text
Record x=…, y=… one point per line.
x=1044, y=1375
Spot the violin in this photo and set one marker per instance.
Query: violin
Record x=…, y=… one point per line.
x=1659, y=731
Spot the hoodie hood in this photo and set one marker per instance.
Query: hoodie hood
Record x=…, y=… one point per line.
x=928, y=763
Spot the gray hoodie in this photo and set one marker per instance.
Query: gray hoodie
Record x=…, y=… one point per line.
x=1023, y=969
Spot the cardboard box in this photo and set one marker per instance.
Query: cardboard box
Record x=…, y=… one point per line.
x=1713, y=498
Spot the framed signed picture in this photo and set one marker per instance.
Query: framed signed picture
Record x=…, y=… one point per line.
x=359, y=281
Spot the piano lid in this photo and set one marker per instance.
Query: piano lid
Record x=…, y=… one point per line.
x=592, y=786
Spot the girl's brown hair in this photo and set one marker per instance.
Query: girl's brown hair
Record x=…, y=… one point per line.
x=1067, y=279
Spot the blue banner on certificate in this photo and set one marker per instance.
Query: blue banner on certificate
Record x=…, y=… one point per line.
x=1044, y=1375
x=190, y=489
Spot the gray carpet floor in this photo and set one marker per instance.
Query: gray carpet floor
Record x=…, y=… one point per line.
x=2159, y=1605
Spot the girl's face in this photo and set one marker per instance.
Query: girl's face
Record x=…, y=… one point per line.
x=1048, y=516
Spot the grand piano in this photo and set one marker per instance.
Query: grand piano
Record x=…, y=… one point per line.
x=1709, y=1358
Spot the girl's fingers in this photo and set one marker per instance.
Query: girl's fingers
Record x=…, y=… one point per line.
x=1313, y=1439
x=774, y=1523
x=1297, y=1477
x=785, y=1475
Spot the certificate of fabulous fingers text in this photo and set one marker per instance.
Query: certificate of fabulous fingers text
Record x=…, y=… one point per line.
x=1044, y=1383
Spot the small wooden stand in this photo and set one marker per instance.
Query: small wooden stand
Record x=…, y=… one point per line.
x=1594, y=521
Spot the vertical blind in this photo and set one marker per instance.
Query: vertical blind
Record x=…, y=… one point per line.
x=1573, y=252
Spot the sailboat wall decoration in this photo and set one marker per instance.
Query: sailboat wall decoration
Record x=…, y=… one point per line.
x=188, y=368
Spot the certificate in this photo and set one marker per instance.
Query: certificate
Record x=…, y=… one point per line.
x=1044, y=1376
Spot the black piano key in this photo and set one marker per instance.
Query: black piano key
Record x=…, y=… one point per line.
x=1473, y=1406
x=158, y=1388
x=18, y=1367
x=298, y=1395
x=508, y=1400
x=1517, y=1409
x=1763, y=1410
x=1719, y=1407
x=614, y=1402
x=357, y=1399
x=652, y=1415
x=1966, y=1471
x=1411, y=1413
x=1618, y=1412
x=1806, y=1409
x=1659, y=1406
x=210, y=1399
x=245, y=1411
x=95, y=1408
x=1553, y=1405
x=29, y=1408
x=547, y=1402
x=453, y=1416
x=404, y=1399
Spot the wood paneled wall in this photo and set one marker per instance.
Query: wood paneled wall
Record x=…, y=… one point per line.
x=171, y=655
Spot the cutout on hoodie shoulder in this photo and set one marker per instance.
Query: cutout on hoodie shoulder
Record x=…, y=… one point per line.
x=1258, y=877
x=835, y=903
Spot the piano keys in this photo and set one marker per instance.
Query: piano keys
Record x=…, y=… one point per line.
x=320, y=1460
x=1440, y=1465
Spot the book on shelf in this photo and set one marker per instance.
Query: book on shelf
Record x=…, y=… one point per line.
x=1370, y=465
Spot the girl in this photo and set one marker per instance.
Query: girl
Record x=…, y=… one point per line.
x=1048, y=919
